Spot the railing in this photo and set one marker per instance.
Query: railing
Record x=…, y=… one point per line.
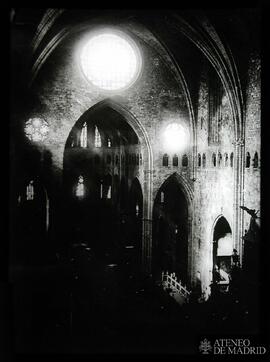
x=178, y=291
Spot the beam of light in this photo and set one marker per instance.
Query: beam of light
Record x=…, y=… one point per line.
x=176, y=137
x=225, y=245
x=110, y=61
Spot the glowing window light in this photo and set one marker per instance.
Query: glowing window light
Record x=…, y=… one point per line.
x=80, y=187
x=30, y=191
x=110, y=62
x=162, y=197
x=137, y=210
x=83, y=138
x=97, y=138
x=101, y=189
x=109, y=192
x=175, y=137
x=225, y=245
x=36, y=129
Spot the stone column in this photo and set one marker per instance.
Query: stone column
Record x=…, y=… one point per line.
x=147, y=246
x=191, y=251
x=147, y=222
x=238, y=227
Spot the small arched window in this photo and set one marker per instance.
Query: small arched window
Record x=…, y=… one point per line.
x=137, y=159
x=175, y=160
x=184, y=160
x=83, y=138
x=256, y=160
x=101, y=189
x=231, y=159
x=202, y=122
x=219, y=159
x=199, y=160
x=203, y=160
x=214, y=160
x=80, y=187
x=137, y=210
x=109, y=143
x=247, y=160
x=140, y=159
x=133, y=159
x=165, y=161
x=106, y=187
x=109, y=192
x=97, y=138
x=226, y=159
x=30, y=191
x=162, y=197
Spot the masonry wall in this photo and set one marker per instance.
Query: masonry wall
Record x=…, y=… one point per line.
x=252, y=177
x=61, y=94
x=64, y=95
x=214, y=185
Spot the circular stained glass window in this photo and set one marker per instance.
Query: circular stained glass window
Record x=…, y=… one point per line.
x=111, y=61
x=175, y=137
x=36, y=129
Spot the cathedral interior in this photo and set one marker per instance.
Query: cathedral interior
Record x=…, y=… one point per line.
x=135, y=179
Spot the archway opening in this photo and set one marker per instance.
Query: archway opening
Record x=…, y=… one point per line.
x=32, y=223
x=222, y=252
x=132, y=235
x=99, y=184
x=170, y=231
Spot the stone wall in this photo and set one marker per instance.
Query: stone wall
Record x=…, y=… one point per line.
x=63, y=95
x=253, y=137
x=214, y=185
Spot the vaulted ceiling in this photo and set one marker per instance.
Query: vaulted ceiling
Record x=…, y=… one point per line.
x=222, y=37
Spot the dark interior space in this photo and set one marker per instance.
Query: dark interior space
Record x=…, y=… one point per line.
x=134, y=183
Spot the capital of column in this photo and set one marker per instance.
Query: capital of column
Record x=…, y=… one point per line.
x=239, y=142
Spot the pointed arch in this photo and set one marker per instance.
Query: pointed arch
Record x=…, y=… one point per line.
x=247, y=164
x=199, y=160
x=256, y=160
x=175, y=160
x=172, y=228
x=130, y=119
x=165, y=160
x=183, y=184
x=136, y=197
x=218, y=219
x=33, y=222
x=203, y=160
x=222, y=250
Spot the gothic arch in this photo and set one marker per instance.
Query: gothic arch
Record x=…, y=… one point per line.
x=187, y=192
x=216, y=221
x=32, y=220
x=146, y=176
x=222, y=248
x=183, y=184
x=54, y=38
